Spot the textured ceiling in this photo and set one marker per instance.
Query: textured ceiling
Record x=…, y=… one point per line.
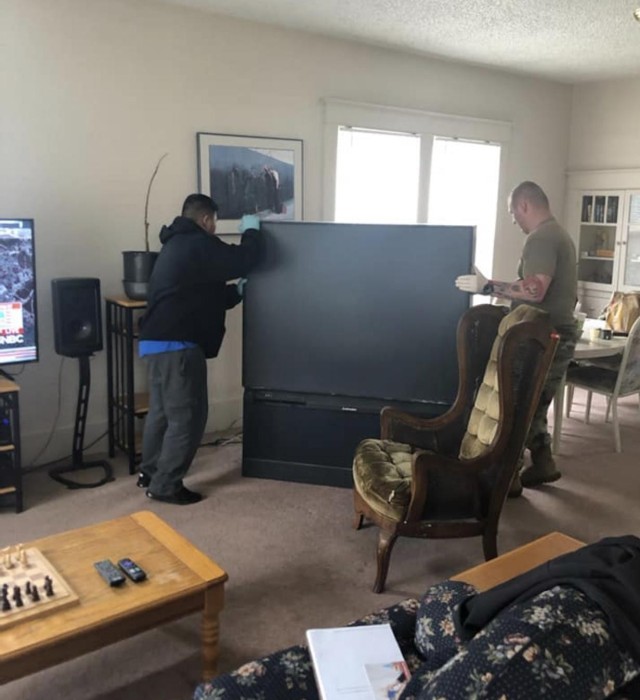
x=566, y=40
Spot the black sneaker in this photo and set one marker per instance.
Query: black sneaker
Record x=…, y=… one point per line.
x=143, y=480
x=183, y=497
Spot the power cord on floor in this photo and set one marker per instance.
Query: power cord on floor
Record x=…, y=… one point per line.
x=33, y=466
x=221, y=441
x=225, y=439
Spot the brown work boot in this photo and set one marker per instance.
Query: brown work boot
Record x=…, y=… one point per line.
x=542, y=470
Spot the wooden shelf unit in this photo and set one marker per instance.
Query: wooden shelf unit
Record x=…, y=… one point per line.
x=10, y=454
x=125, y=403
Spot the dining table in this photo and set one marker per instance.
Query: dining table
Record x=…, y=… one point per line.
x=586, y=349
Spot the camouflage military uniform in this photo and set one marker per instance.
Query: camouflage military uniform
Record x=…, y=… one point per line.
x=538, y=432
x=549, y=250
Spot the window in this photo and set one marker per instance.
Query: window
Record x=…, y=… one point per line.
x=463, y=190
x=377, y=177
x=410, y=166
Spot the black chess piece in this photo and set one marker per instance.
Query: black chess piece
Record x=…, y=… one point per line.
x=6, y=605
x=35, y=595
x=27, y=587
x=48, y=586
x=17, y=596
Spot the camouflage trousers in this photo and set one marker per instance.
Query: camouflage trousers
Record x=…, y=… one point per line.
x=538, y=432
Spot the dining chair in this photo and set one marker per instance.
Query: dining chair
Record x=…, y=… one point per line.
x=613, y=382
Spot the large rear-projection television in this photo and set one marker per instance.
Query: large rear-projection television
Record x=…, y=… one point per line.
x=347, y=318
x=18, y=309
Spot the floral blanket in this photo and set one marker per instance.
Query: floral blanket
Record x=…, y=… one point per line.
x=556, y=645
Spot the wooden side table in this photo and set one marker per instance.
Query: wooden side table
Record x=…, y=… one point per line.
x=124, y=404
x=10, y=457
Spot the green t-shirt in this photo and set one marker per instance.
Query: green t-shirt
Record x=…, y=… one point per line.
x=550, y=251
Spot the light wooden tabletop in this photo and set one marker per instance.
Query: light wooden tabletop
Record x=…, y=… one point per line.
x=179, y=576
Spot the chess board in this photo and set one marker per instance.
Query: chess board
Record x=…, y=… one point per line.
x=33, y=569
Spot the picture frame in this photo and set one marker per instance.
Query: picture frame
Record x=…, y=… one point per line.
x=250, y=175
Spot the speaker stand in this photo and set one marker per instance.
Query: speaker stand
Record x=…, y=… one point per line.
x=77, y=461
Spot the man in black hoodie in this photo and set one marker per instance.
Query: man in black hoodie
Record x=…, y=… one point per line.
x=182, y=327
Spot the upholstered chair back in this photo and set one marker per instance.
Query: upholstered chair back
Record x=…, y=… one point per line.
x=485, y=415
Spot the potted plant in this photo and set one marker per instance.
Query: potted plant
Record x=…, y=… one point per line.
x=138, y=264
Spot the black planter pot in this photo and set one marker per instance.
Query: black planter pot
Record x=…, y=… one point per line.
x=138, y=265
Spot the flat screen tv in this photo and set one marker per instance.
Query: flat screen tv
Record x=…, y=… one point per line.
x=18, y=308
x=357, y=310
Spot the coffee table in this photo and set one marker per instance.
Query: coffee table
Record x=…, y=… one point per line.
x=181, y=580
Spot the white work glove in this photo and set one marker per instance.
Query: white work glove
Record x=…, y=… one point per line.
x=473, y=284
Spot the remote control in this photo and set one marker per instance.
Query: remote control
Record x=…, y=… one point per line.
x=109, y=572
x=132, y=570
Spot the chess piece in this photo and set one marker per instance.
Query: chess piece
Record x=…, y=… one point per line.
x=17, y=596
x=27, y=587
x=6, y=605
x=35, y=596
x=48, y=586
x=22, y=555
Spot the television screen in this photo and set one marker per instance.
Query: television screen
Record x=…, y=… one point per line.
x=18, y=322
x=357, y=310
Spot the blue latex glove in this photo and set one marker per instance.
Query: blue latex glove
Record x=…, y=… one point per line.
x=249, y=221
x=240, y=285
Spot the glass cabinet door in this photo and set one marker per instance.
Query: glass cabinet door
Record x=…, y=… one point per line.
x=632, y=239
x=597, y=238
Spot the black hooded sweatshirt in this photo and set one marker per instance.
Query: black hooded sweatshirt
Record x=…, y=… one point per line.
x=188, y=290
x=607, y=571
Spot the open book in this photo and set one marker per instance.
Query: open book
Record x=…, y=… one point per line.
x=357, y=663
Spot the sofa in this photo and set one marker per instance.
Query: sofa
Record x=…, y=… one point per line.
x=556, y=644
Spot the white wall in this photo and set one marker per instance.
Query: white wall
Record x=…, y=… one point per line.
x=95, y=91
x=604, y=125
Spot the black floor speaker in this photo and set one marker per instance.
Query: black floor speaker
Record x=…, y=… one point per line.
x=77, y=326
x=77, y=318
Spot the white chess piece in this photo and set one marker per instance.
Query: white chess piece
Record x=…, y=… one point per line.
x=22, y=555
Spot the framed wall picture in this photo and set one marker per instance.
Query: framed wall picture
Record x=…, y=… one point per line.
x=250, y=175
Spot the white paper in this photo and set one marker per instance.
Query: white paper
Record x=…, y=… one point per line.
x=387, y=680
x=340, y=656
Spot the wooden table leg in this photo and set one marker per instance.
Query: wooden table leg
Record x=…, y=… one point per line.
x=213, y=602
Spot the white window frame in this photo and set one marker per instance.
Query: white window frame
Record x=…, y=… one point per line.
x=427, y=125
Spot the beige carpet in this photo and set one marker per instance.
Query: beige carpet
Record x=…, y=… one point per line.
x=294, y=560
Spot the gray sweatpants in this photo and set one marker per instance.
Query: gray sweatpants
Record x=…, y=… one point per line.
x=178, y=409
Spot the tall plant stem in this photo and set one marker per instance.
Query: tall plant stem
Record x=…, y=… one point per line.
x=146, y=203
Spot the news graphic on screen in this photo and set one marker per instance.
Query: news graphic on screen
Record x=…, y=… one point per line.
x=18, y=323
